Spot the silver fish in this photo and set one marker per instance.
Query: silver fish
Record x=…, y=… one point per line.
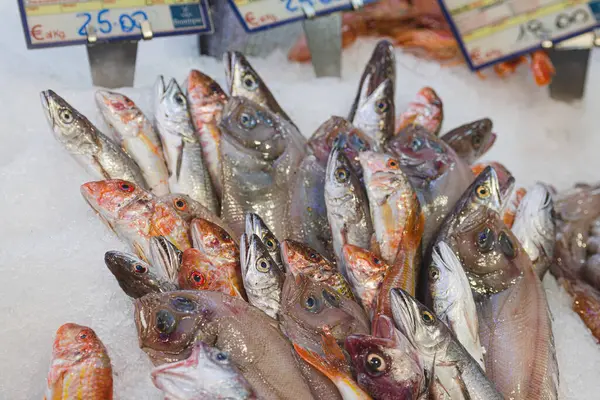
x=135, y=134
x=376, y=115
x=263, y=280
x=101, y=157
x=183, y=152
x=166, y=257
x=256, y=226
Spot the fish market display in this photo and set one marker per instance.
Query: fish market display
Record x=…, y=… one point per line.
x=379, y=259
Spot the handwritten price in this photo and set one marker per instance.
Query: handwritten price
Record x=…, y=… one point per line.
x=295, y=5
x=561, y=22
x=127, y=22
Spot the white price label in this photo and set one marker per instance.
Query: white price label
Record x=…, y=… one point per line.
x=49, y=23
x=491, y=31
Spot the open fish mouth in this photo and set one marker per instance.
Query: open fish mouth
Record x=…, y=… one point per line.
x=45, y=98
x=229, y=60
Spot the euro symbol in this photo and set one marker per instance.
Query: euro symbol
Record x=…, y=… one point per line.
x=36, y=32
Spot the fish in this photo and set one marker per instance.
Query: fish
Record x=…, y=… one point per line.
x=452, y=300
x=381, y=66
x=308, y=211
x=135, y=276
x=260, y=153
x=426, y=111
x=365, y=273
x=347, y=207
x=166, y=257
x=96, y=153
x=188, y=172
x=375, y=116
x=535, y=228
x=471, y=141
x=169, y=324
x=80, y=366
x=135, y=134
x=199, y=272
x=263, y=279
x=455, y=370
x=135, y=215
x=256, y=226
x=206, y=102
x=387, y=366
x=207, y=373
x=244, y=81
x=436, y=173
x=302, y=259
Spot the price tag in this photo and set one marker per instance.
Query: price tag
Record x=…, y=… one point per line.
x=492, y=31
x=257, y=15
x=50, y=23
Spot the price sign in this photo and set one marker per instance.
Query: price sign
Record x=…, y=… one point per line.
x=257, y=15
x=49, y=23
x=491, y=31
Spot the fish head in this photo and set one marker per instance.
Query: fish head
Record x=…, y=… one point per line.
x=66, y=122
x=473, y=139
x=197, y=271
x=109, y=197
x=255, y=225
x=300, y=258
x=167, y=324
x=214, y=241
x=135, y=276
x=340, y=179
x=382, y=173
x=171, y=108
x=242, y=79
x=483, y=193
x=165, y=256
x=312, y=305
x=427, y=95
x=362, y=264
x=203, y=88
x=183, y=204
x=259, y=270
x=74, y=343
x=119, y=111
x=378, y=108
x=447, y=280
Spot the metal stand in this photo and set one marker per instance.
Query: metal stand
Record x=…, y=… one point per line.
x=324, y=37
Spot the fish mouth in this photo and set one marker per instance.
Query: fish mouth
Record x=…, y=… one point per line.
x=230, y=59
x=490, y=142
x=45, y=97
x=401, y=312
x=102, y=97
x=114, y=261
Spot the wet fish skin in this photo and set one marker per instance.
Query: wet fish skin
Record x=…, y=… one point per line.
x=166, y=257
x=347, y=207
x=454, y=367
x=97, y=154
x=256, y=226
x=299, y=258
x=169, y=324
x=263, y=280
x=365, y=273
x=535, y=228
x=80, y=366
x=188, y=172
x=206, y=102
x=376, y=115
x=206, y=373
x=135, y=276
x=199, y=272
x=471, y=141
x=135, y=134
x=426, y=111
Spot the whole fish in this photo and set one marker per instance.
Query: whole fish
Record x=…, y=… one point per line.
x=260, y=153
x=207, y=373
x=263, y=279
x=135, y=215
x=436, y=173
x=535, y=228
x=347, y=207
x=101, y=157
x=135, y=134
x=169, y=324
x=302, y=259
x=375, y=116
x=381, y=66
x=188, y=172
x=365, y=273
x=452, y=300
x=387, y=366
x=80, y=367
x=207, y=100
x=135, y=276
x=199, y=272
x=308, y=212
x=455, y=370
x=471, y=141
x=166, y=257
x=256, y=226
x=426, y=111
x=244, y=81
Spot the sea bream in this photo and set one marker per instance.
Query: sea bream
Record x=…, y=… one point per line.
x=135, y=134
x=100, y=156
x=200, y=272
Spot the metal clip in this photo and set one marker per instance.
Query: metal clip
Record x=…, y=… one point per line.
x=146, y=30
x=90, y=32
x=547, y=44
x=356, y=4
x=308, y=10
x=570, y=59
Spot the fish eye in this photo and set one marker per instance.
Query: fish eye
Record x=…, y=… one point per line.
x=180, y=204
x=427, y=317
x=198, y=278
x=221, y=357
x=381, y=106
x=506, y=245
x=180, y=99
x=331, y=298
x=416, y=144
x=393, y=164
x=165, y=322
x=483, y=191
x=341, y=175
x=83, y=335
x=214, y=88
x=434, y=274
x=183, y=304
x=312, y=304
x=476, y=140
x=249, y=82
x=485, y=240
x=247, y=121
x=376, y=260
x=126, y=187
x=375, y=364
x=270, y=243
x=314, y=256
x=225, y=237
x=139, y=268
x=65, y=115
x=263, y=265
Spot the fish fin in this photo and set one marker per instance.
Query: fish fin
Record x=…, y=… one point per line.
x=374, y=247
x=332, y=364
x=139, y=251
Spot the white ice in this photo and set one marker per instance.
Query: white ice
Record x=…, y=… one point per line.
x=52, y=245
